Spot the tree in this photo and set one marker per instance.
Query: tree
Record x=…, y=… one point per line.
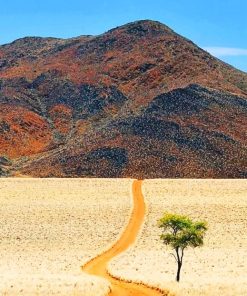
x=180, y=232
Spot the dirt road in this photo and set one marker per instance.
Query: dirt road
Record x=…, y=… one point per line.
x=98, y=266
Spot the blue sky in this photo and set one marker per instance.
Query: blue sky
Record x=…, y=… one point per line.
x=220, y=26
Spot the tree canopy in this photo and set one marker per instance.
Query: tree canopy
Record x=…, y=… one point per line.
x=180, y=232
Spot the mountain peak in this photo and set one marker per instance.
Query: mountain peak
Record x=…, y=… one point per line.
x=144, y=27
x=90, y=106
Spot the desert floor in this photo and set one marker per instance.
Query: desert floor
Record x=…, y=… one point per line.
x=217, y=268
x=98, y=266
x=49, y=228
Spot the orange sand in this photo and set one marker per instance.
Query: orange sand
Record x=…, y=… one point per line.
x=98, y=266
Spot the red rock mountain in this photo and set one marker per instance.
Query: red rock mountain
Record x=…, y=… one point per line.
x=137, y=101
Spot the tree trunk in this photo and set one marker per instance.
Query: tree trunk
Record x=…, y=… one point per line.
x=178, y=271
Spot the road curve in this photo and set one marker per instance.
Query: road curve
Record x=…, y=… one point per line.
x=98, y=265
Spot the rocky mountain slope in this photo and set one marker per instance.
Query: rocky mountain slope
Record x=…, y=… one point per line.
x=137, y=101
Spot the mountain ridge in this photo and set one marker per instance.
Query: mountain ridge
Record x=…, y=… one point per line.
x=62, y=98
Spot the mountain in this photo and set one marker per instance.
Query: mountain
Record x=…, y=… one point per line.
x=137, y=101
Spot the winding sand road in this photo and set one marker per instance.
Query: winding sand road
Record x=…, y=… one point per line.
x=98, y=265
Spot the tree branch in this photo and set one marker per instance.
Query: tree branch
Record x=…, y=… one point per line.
x=182, y=255
x=177, y=252
x=174, y=256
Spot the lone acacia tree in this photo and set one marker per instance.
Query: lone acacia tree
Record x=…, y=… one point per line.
x=181, y=232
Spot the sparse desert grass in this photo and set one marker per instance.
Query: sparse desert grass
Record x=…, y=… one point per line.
x=50, y=227
x=220, y=266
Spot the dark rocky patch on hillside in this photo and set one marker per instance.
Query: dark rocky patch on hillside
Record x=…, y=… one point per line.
x=137, y=101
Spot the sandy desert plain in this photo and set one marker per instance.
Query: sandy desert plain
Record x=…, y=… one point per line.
x=49, y=228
